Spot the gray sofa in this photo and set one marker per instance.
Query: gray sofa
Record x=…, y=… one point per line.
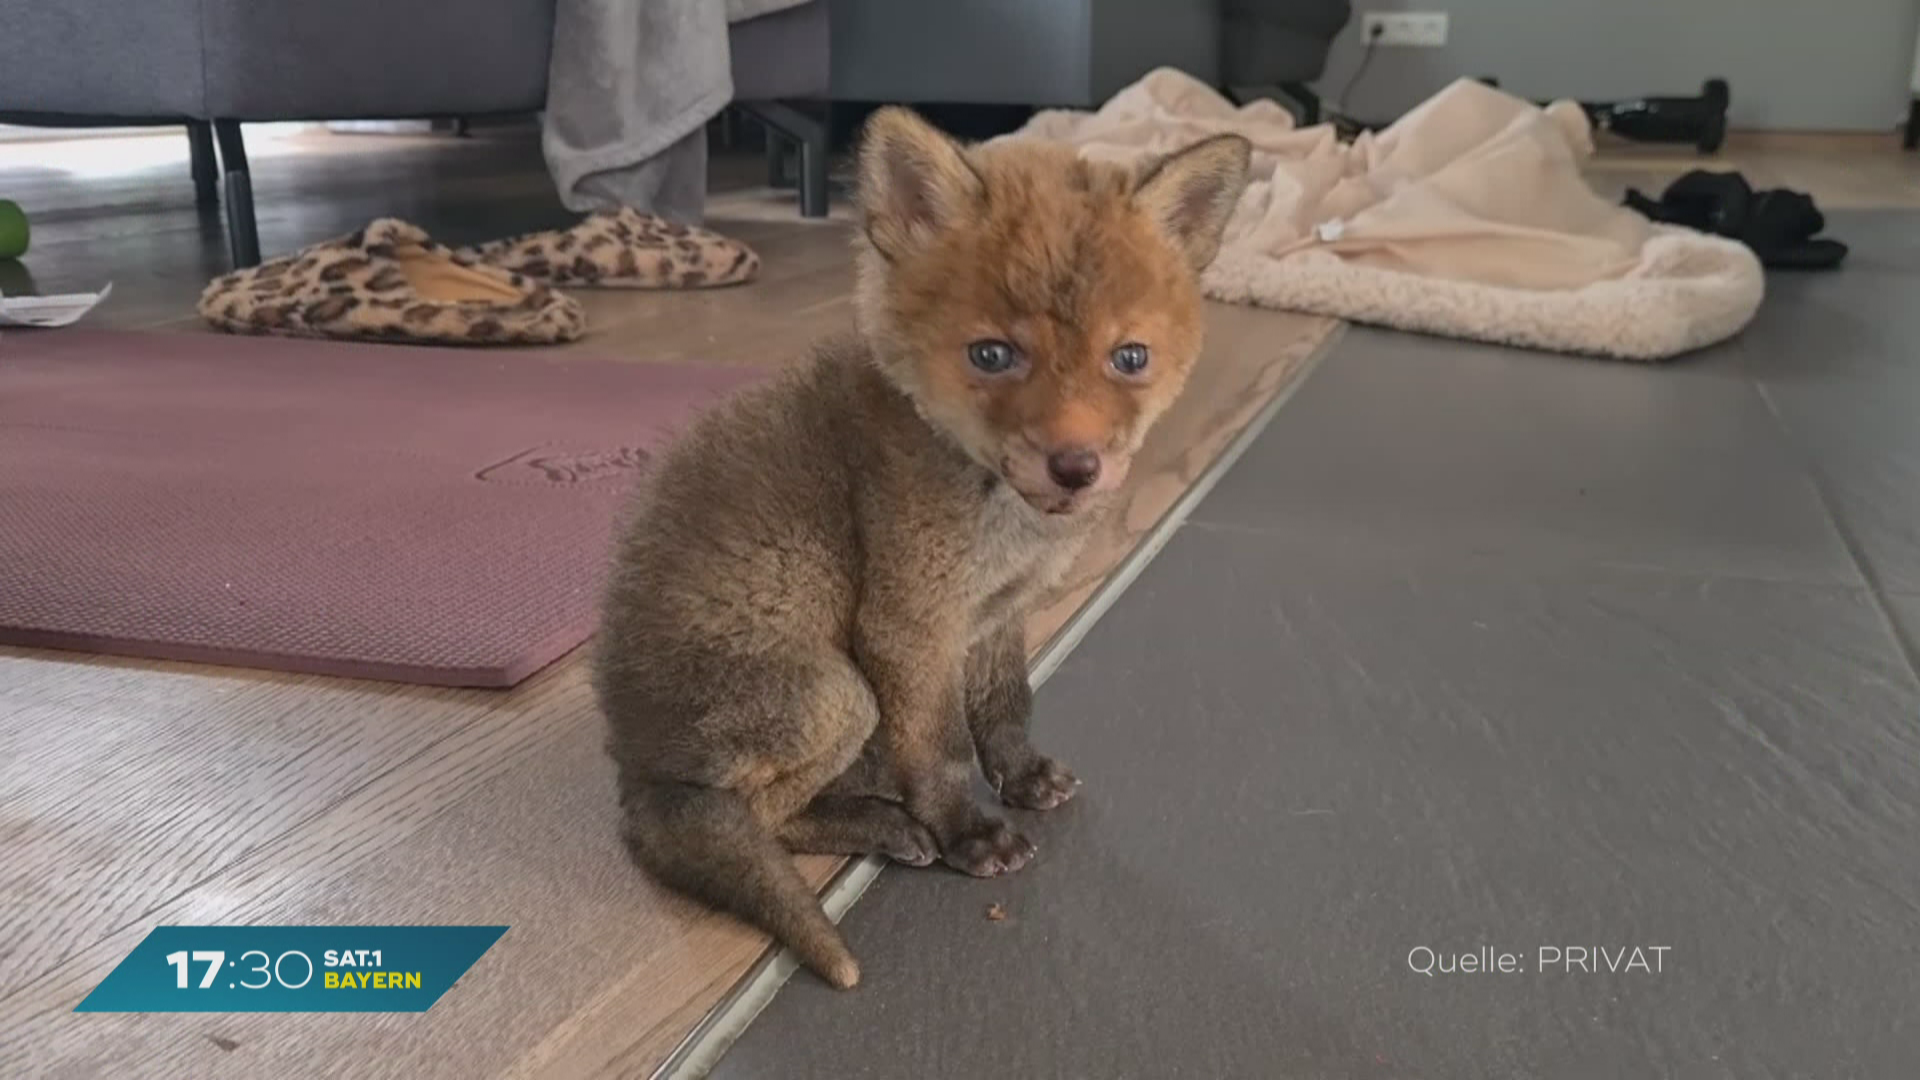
x=213, y=65
x=1073, y=54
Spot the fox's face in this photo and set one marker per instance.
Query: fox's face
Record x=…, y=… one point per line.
x=1041, y=309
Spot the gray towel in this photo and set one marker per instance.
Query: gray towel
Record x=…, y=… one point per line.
x=630, y=89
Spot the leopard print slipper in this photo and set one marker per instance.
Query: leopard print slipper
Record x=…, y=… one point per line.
x=624, y=249
x=390, y=282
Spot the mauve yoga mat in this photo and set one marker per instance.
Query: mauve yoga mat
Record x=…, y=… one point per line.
x=426, y=515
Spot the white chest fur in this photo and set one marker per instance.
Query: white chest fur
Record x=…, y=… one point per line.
x=1019, y=553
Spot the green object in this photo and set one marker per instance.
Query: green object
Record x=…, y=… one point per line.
x=13, y=230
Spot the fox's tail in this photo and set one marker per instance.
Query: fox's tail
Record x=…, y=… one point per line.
x=705, y=842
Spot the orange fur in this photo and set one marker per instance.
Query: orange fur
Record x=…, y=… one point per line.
x=1063, y=258
x=815, y=623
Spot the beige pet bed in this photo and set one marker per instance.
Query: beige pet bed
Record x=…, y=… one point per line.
x=1468, y=218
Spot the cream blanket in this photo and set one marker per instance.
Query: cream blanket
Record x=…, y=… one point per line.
x=1469, y=218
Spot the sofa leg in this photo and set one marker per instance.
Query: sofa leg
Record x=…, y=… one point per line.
x=243, y=235
x=777, y=160
x=206, y=171
x=811, y=134
x=813, y=177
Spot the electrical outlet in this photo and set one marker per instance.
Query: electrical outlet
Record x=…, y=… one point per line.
x=1421, y=29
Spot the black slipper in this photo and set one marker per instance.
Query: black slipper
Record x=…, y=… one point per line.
x=1778, y=225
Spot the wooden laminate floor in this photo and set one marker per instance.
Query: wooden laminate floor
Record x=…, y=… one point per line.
x=138, y=793
x=1840, y=171
x=135, y=793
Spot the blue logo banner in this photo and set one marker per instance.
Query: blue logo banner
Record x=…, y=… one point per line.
x=291, y=969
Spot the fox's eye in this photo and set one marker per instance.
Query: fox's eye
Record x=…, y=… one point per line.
x=1130, y=359
x=992, y=357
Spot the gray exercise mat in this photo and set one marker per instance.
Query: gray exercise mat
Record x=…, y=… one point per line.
x=1495, y=655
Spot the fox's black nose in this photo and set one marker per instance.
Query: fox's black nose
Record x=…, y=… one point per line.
x=1074, y=469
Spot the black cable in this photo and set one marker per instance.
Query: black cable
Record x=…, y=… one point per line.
x=1366, y=58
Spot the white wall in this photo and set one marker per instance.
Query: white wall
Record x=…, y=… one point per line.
x=1837, y=65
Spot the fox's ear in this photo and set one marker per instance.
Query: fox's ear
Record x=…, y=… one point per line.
x=914, y=181
x=1192, y=193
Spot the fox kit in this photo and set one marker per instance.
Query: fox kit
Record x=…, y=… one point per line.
x=815, y=624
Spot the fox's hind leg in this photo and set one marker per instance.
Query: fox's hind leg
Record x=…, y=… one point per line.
x=999, y=705
x=859, y=825
x=818, y=735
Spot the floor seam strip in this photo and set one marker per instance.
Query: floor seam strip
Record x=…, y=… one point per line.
x=1575, y=562
x=703, y=1047
x=1876, y=591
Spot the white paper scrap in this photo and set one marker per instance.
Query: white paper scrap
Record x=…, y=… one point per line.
x=49, y=311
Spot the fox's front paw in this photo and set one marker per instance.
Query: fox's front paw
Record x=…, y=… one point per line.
x=988, y=849
x=1041, y=785
x=912, y=846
